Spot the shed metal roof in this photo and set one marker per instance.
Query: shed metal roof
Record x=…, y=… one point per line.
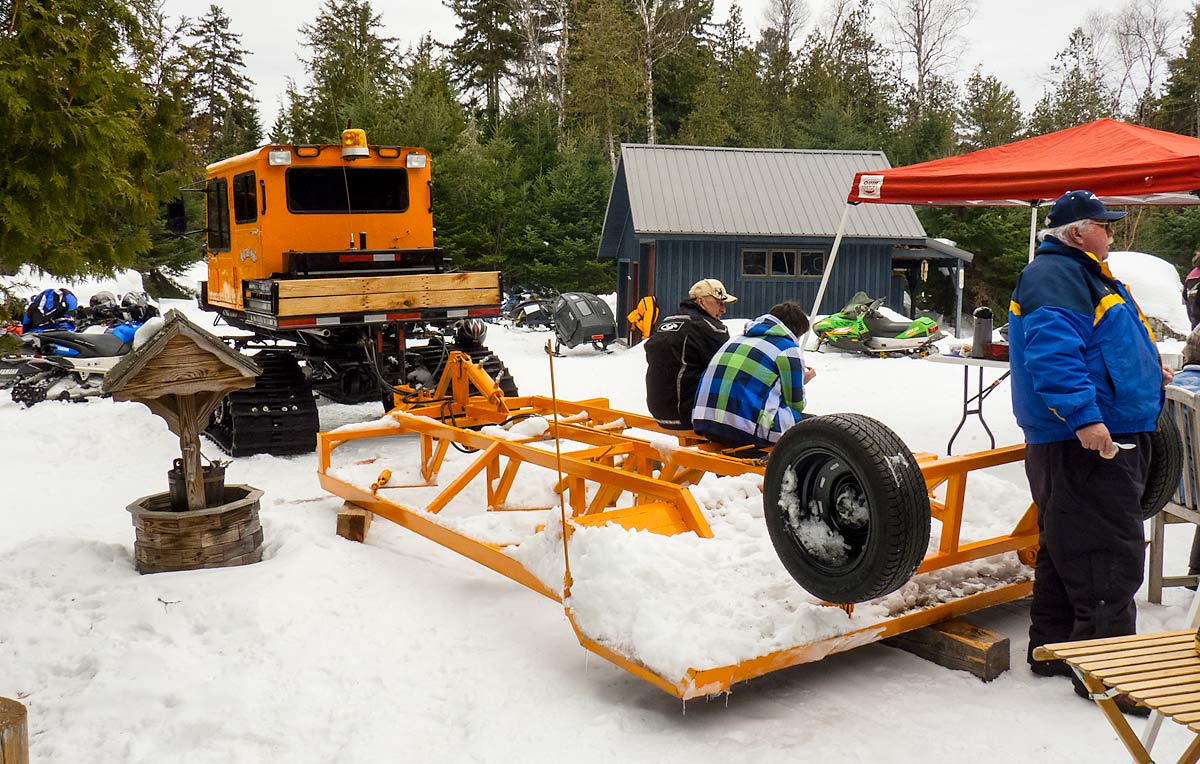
x=753, y=192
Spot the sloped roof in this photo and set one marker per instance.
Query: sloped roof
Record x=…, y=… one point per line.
x=235, y=371
x=747, y=192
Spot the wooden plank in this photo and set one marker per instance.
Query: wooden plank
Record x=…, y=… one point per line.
x=387, y=301
x=1147, y=640
x=1127, y=659
x=1144, y=680
x=353, y=522
x=1124, y=671
x=958, y=644
x=14, y=733
x=423, y=282
x=1114, y=644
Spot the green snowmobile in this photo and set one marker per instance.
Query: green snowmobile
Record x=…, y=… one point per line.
x=861, y=328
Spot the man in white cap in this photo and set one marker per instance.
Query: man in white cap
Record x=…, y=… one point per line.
x=1085, y=376
x=679, y=351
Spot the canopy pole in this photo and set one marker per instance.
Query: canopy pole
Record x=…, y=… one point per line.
x=959, y=278
x=837, y=243
x=1033, y=210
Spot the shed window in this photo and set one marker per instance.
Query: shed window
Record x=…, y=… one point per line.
x=754, y=262
x=782, y=263
x=812, y=264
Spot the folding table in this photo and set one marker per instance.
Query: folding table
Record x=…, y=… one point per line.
x=981, y=392
x=1160, y=670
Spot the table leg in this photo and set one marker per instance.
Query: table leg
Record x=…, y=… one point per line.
x=1192, y=754
x=963, y=419
x=980, y=394
x=1117, y=719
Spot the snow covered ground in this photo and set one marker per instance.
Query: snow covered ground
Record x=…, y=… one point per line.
x=399, y=650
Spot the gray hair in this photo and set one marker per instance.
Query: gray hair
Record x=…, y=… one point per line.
x=1061, y=232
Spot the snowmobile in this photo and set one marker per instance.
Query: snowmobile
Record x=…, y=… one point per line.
x=61, y=364
x=529, y=309
x=861, y=328
x=580, y=317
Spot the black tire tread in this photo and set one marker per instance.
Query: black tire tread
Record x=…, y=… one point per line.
x=1166, y=466
x=903, y=504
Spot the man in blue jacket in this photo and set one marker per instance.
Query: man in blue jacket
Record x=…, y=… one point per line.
x=1085, y=376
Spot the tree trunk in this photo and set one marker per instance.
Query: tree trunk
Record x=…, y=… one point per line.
x=650, y=137
x=563, y=48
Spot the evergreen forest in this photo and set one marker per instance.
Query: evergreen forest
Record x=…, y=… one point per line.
x=109, y=107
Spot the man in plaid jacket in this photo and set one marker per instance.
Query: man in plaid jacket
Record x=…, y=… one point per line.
x=753, y=389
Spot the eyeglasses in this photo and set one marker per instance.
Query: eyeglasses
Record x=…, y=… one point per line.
x=1107, y=225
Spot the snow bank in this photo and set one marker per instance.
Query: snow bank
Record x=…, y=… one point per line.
x=1155, y=284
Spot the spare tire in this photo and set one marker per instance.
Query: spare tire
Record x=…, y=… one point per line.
x=1166, y=466
x=846, y=507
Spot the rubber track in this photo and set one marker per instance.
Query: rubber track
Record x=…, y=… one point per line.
x=277, y=416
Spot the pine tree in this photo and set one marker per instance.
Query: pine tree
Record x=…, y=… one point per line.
x=1077, y=93
x=846, y=83
x=224, y=118
x=729, y=105
x=353, y=78
x=1179, y=108
x=990, y=115
x=87, y=140
x=428, y=104
x=487, y=50
x=604, y=79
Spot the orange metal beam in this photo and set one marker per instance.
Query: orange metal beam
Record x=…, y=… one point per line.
x=702, y=683
x=488, y=555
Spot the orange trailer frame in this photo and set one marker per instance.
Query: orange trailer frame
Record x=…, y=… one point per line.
x=606, y=462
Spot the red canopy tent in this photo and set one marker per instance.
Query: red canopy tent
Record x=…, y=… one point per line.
x=1119, y=162
x=1123, y=164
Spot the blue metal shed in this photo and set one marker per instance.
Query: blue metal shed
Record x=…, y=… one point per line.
x=762, y=221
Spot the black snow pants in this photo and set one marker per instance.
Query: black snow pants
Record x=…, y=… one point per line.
x=1092, y=553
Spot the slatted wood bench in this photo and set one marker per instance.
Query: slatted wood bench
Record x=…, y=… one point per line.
x=1159, y=670
x=1184, y=507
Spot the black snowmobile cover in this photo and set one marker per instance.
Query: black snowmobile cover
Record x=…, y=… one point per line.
x=580, y=318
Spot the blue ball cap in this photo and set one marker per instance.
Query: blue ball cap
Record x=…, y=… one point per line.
x=1079, y=205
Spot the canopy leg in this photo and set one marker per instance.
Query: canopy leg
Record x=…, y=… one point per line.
x=837, y=243
x=1033, y=212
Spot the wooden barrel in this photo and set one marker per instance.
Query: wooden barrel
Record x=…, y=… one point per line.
x=14, y=734
x=216, y=537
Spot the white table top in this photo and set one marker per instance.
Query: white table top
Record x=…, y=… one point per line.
x=958, y=360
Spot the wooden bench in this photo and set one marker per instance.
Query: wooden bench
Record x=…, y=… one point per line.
x=1159, y=670
x=1184, y=507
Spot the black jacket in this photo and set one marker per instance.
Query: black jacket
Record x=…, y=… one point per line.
x=676, y=356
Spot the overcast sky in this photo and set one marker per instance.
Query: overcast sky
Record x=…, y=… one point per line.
x=1015, y=40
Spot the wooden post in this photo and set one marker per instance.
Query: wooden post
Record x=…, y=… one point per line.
x=14, y=734
x=353, y=522
x=189, y=444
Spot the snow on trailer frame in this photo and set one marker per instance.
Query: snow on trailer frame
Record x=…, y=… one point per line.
x=599, y=462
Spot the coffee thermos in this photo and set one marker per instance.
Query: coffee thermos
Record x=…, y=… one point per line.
x=983, y=331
